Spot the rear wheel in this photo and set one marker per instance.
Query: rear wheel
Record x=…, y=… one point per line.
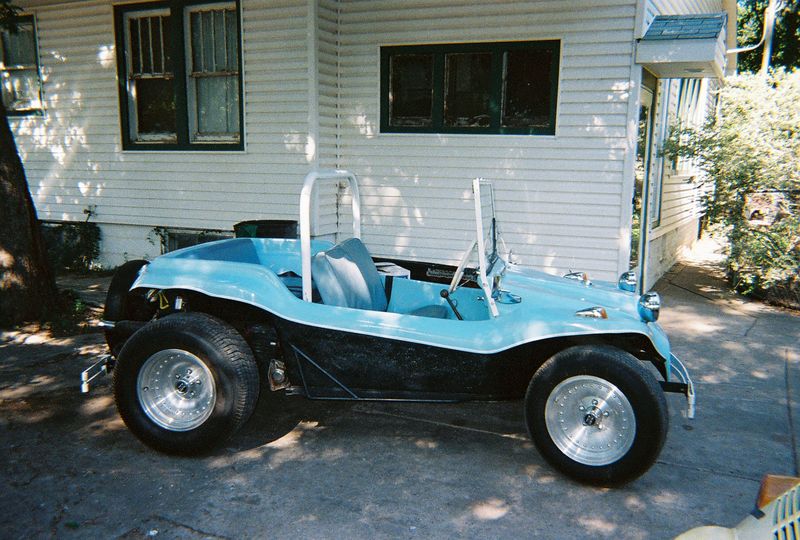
x=185, y=383
x=596, y=414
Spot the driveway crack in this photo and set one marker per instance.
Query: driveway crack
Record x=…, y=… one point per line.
x=203, y=534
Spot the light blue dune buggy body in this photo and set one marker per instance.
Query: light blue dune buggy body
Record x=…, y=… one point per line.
x=196, y=336
x=513, y=312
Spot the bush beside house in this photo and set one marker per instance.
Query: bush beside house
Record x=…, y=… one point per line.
x=751, y=153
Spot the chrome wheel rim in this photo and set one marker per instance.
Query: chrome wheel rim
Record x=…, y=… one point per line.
x=590, y=420
x=176, y=390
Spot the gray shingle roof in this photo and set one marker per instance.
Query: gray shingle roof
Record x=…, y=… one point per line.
x=706, y=26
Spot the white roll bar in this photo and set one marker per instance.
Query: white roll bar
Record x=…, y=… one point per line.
x=305, y=217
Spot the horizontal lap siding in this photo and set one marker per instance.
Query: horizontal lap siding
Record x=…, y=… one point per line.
x=559, y=198
x=327, y=211
x=73, y=156
x=686, y=7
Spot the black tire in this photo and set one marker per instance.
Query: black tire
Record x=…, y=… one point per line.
x=220, y=356
x=122, y=306
x=577, y=420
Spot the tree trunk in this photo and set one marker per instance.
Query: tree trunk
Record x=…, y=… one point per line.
x=27, y=286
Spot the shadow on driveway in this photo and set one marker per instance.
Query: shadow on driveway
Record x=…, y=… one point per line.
x=365, y=470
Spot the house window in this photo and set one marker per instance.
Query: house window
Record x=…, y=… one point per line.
x=21, y=83
x=180, y=75
x=470, y=88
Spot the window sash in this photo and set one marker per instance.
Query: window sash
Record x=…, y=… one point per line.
x=19, y=69
x=490, y=118
x=147, y=68
x=212, y=73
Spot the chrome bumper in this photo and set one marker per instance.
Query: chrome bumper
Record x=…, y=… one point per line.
x=677, y=373
x=99, y=368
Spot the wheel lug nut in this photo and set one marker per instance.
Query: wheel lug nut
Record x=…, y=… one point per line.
x=594, y=402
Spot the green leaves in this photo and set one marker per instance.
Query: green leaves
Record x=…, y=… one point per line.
x=751, y=153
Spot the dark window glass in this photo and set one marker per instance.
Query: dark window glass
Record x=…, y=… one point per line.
x=468, y=89
x=411, y=90
x=507, y=87
x=156, y=108
x=19, y=46
x=527, y=89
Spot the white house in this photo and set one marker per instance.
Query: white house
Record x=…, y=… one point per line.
x=181, y=115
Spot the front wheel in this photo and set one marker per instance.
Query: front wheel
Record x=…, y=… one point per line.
x=596, y=414
x=185, y=383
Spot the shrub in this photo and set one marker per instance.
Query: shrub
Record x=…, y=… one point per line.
x=72, y=246
x=751, y=153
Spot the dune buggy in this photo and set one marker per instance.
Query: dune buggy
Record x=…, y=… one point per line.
x=195, y=335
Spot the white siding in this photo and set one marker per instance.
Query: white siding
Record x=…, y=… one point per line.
x=311, y=98
x=328, y=65
x=559, y=197
x=73, y=156
x=327, y=21
x=686, y=7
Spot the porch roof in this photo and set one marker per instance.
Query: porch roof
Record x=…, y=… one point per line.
x=684, y=46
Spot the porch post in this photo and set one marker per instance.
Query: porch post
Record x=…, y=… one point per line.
x=654, y=174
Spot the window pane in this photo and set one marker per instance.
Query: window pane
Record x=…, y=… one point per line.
x=207, y=34
x=133, y=46
x=158, y=44
x=527, y=78
x=145, y=45
x=217, y=106
x=232, y=40
x=19, y=47
x=197, y=42
x=21, y=90
x=467, y=89
x=149, y=46
x=411, y=90
x=155, y=107
x=220, y=41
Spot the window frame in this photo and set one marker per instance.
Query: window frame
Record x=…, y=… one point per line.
x=179, y=11
x=497, y=90
x=36, y=67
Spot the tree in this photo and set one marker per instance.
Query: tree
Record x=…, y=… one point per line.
x=752, y=154
x=27, y=286
x=786, y=38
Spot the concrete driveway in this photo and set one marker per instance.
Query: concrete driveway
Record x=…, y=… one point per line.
x=69, y=468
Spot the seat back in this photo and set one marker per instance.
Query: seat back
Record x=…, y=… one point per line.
x=346, y=276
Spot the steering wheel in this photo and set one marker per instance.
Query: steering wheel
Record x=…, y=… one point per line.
x=462, y=265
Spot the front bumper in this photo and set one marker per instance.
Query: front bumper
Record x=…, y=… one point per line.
x=679, y=381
